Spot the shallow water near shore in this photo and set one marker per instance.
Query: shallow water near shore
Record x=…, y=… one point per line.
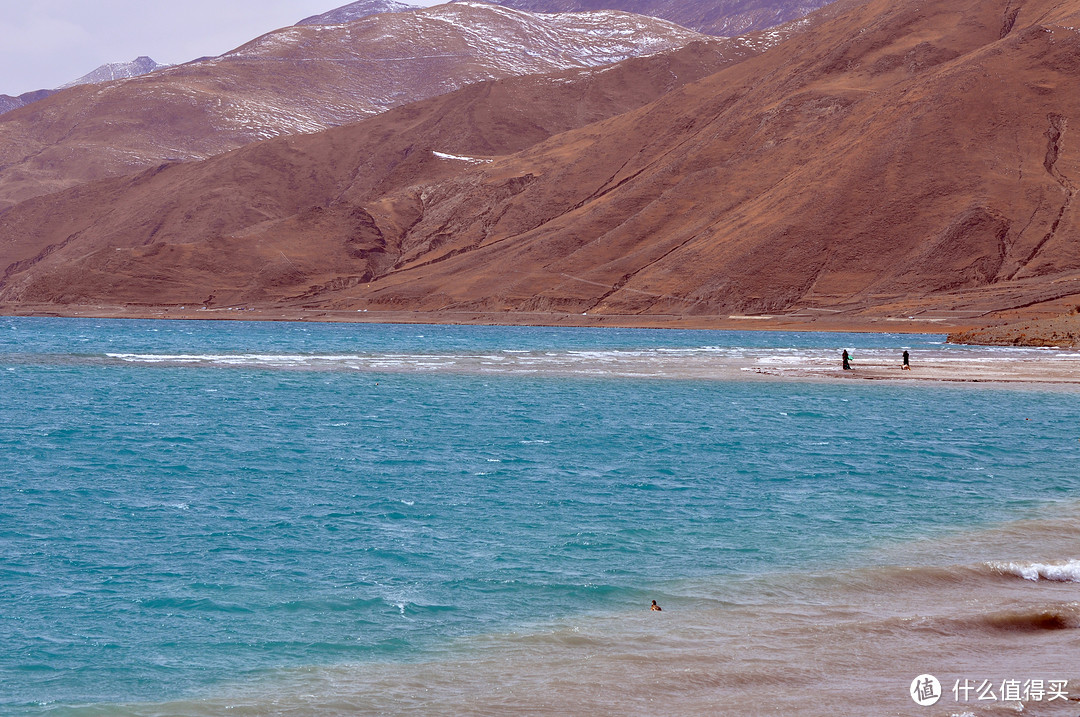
x=365, y=519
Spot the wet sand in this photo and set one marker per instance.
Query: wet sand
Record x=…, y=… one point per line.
x=1048, y=368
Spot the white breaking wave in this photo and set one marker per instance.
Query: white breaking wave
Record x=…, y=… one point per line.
x=1067, y=572
x=614, y=362
x=233, y=359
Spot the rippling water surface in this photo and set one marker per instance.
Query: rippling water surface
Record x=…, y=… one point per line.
x=190, y=508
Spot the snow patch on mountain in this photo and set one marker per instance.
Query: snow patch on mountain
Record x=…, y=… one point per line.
x=369, y=65
x=723, y=18
x=509, y=42
x=460, y=158
x=357, y=10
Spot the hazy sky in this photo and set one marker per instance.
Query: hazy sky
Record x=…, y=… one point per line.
x=46, y=43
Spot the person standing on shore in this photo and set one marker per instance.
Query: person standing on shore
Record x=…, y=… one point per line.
x=907, y=362
x=846, y=360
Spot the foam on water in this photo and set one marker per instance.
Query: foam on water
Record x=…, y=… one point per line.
x=1066, y=572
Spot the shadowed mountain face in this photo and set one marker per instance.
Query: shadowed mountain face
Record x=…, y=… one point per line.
x=300, y=79
x=712, y=17
x=901, y=155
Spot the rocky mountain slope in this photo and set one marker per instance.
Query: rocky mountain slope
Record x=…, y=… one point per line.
x=712, y=17
x=902, y=156
x=300, y=79
x=899, y=157
x=1061, y=331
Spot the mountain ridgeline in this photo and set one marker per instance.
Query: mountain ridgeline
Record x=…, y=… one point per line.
x=720, y=17
x=301, y=79
x=877, y=159
x=355, y=11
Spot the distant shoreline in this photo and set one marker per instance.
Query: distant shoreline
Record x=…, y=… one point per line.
x=1033, y=367
x=774, y=322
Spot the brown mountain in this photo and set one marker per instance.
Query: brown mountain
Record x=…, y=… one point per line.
x=265, y=210
x=300, y=79
x=712, y=17
x=902, y=156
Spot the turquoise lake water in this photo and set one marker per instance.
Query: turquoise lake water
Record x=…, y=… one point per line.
x=187, y=504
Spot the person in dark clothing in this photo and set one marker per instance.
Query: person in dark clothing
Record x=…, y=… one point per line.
x=847, y=361
x=907, y=362
x=655, y=607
